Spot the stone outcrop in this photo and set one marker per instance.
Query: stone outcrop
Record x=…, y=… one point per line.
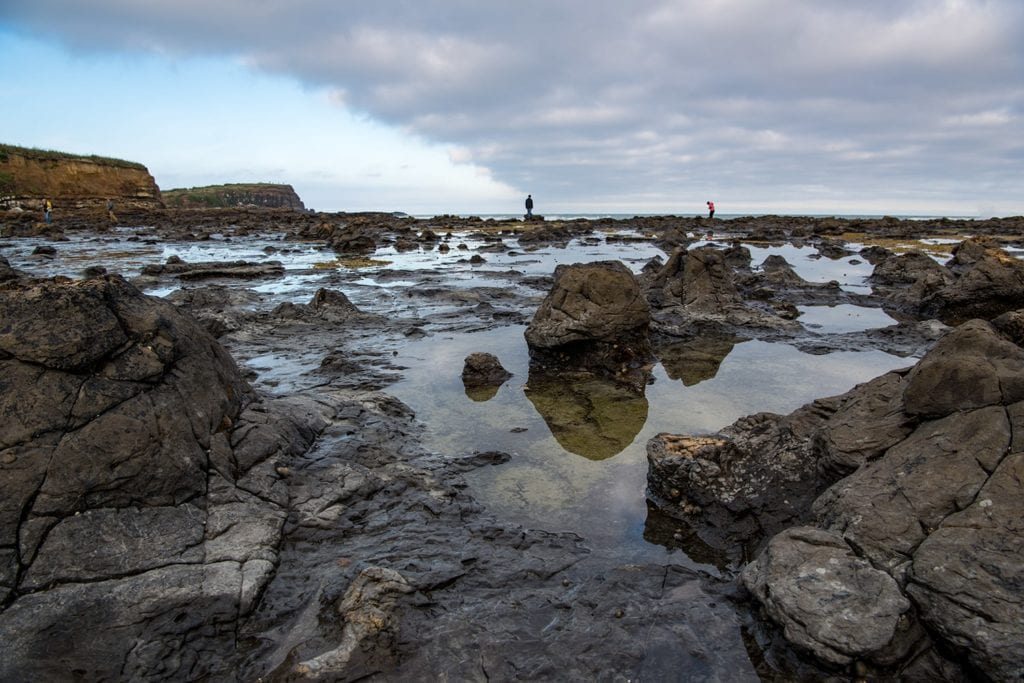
x=922, y=513
x=206, y=270
x=263, y=195
x=140, y=499
x=28, y=176
x=980, y=281
x=595, y=318
x=697, y=288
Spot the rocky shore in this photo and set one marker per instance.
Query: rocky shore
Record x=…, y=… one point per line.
x=174, y=506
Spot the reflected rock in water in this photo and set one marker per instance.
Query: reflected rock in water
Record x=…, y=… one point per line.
x=696, y=359
x=589, y=416
x=671, y=532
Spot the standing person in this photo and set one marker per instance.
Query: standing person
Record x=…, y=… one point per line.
x=110, y=211
x=711, y=209
x=47, y=208
x=529, y=206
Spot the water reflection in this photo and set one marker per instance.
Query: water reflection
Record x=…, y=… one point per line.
x=697, y=359
x=589, y=416
x=482, y=393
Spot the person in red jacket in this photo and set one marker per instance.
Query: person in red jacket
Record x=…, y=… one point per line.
x=711, y=209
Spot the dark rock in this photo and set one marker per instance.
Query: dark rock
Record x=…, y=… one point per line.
x=595, y=318
x=971, y=367
x=138, y=497
x=483, y=369
x=990, y=282
x=44, y=250
x=216, y=269
x=6, y=272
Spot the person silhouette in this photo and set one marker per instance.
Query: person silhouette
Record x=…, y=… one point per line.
x=529, y=206
x=711, y=209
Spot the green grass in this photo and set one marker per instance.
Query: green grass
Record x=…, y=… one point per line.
x=52, y=155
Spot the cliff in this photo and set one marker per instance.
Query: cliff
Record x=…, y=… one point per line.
x=27, y=176
x=266, y=195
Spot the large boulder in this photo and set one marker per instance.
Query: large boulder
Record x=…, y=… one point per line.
x=591, y=302
x=594, y=319
x=139, y=498
x=828, y=600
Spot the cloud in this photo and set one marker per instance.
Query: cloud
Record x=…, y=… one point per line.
x=668, y=100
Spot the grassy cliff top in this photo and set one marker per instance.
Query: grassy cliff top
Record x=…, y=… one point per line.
x=51, y=155
x=233, y=187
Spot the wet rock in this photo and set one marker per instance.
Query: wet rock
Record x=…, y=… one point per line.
x=827, y=599
x=352, y=239
x=367, y=610
x=94, y=271
x=215, y=269
x=138, y=497
x=965, y=577
x=971, y=367
x=748, y=481
x=990, y=282
x=698, y=288
x=908, y=268
x=44, y=250
x=6, y=272
x=483, y=370
x=594, y=318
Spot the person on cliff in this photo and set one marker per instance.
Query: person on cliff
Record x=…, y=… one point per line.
x=529, y=206
x=711, y=209
x=110, y=211
x=47, y=208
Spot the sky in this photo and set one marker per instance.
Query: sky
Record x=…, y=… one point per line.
x=900, y=107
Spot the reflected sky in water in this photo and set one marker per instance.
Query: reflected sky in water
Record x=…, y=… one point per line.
x=547, y=486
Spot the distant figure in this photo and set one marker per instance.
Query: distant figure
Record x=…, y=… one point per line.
x=110, y=211
x=711, y=209
x=529, y=206
x=47, y=208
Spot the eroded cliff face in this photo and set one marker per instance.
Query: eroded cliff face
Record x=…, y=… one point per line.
x=28, y=177
x=265, y=195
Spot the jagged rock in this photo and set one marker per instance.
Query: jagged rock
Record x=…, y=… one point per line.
x=933, y=507
x=965, y=577
x=595, y=318
x=908, y=268
x=138, y=496
x=589, y=302
x=698, y=287
x=826, y=599
x=352, y=239
x=483, y=369
x=990, y=282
